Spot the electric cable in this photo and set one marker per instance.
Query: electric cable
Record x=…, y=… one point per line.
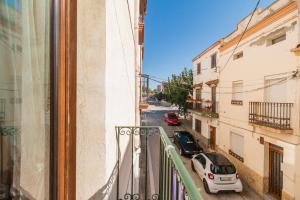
x=226, y=64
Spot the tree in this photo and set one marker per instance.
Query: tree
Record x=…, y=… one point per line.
x=179, y=88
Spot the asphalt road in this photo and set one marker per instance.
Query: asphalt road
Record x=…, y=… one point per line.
x=154, y=117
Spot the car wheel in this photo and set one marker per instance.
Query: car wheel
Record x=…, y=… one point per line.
x=206, y=188
x=193, y=167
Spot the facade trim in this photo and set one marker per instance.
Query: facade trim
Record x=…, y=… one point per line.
x=282, y=12
x=208, y=49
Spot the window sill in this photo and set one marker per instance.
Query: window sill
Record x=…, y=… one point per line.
x=237, y=102
x=236, y=156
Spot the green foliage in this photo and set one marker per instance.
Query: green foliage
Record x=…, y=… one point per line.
x=179, y=88
x=160, y=96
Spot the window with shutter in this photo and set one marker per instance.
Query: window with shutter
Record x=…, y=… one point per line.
x=237, y=145
x=237, y=93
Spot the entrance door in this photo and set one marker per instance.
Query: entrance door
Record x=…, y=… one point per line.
x=275, y=173
x=212, y=137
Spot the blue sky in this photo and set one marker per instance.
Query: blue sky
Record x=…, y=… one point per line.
x=176, y=30
x=16, y=4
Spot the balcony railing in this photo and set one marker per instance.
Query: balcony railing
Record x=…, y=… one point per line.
x=174, y=181
x=206, y=108
x=269, y=114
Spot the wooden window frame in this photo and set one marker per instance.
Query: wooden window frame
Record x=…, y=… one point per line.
x=198, y=123
x=63, y=99
x=213, y=60
x=198, y=68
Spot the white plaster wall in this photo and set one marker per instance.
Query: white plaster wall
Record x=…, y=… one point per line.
x=207, y=74
x=120, y=76
x=258, y=16
x=205, y=124
x=91, y=91
x=259, y=61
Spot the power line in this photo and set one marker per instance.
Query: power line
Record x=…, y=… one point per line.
x=285, y=79
x=227, y=81
x=256, y=6
x=260, y=82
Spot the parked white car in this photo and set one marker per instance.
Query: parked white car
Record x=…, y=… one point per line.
x=216, y=172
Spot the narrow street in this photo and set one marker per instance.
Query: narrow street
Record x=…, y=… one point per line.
x=153, y=116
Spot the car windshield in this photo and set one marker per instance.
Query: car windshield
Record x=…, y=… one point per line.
x=223, y=169
x=172, y=116
x=186, y=139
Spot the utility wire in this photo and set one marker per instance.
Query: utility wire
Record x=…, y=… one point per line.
x=259, y=81
x=245, y=91
x=226, y=64
x=229, y=81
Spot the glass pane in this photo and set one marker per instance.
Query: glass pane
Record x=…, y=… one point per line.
x=24, y=99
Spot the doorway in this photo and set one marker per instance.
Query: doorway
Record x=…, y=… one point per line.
x=275, y=173
x=212, y=137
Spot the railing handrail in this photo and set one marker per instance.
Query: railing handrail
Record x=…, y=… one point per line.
x=271, y=114
x=186, y=179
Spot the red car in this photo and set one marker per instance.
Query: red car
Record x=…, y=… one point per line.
x=171, y=118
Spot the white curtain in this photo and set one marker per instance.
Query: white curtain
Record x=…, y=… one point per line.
x=35, y=118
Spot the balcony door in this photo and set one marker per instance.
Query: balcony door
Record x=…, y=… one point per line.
x=214, y=98
x=198, y=99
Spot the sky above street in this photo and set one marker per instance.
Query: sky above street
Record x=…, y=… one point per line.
x=176, y=31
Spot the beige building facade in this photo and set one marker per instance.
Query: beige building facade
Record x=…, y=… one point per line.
x=205, y=99
x=259, y=99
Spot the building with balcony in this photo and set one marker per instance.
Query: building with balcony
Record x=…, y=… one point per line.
x=204, y=104
x=259, y=101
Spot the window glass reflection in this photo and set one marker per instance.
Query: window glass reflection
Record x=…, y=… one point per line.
x=24, y=99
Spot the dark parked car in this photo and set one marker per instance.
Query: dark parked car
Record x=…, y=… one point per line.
x=186, y=143
x=171, y=118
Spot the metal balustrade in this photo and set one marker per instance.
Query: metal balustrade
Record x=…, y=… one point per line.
x=207, y=108
x=270, y=114
x=174, y=180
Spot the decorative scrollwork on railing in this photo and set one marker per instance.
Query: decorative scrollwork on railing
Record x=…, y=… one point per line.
x=138, y=131
x=138, y=197
x=8, y=131
x=131, y=197
x=125, y=131
x=155, y=197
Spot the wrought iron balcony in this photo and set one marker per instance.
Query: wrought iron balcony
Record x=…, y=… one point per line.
x=269, y=114
x=205, y=108
x=173, y=181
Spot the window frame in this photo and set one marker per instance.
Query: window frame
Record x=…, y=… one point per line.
x=213, y=60
x=199, y=68
x=234, y=100
x=238, y=55
x=278, y=39
x=232, y=152
x=198, y=122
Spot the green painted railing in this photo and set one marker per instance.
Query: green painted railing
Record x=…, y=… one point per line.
x=175, y=181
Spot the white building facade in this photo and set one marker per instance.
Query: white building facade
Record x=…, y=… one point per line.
x=260, y=99
x=205, y=96
x=110, y=52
